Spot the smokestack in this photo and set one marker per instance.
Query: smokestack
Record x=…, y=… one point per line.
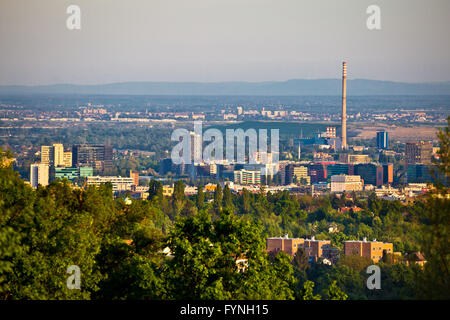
x=344, y=105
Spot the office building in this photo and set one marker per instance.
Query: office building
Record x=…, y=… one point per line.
x=346, y=183
x=370, y=173
x=354, y=158
x=382, y=140
x=336, y=169
x=39, y=174
x=388, y=173
x=419, y=173
x=317, y=172
x=418, y=152
x=97, y=156
x=71, y=174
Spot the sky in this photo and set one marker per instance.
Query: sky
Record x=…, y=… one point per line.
x=222, y=40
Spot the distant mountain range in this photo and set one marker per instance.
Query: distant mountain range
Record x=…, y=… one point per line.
x=295, y=87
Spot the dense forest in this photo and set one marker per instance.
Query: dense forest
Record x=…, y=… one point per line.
x=122, y=248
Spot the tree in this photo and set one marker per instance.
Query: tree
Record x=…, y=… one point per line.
x=227, y=199
x=205, y=256
x=178, y=197
x=217, y=203
x=308, y=292
x=335, y=293
x=155, y=190
x=435, y=236
x=200, y=197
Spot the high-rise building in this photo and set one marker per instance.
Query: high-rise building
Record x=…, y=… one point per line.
x=39, y=174
x=370, y=173
x=58, y=154
x=336, y=169
x=67, y=159
x=97, y=156
x=317, y=172
x=418, y=152
x=388, y=173
x=46, y=154
x=344, y=105
x=55, y=155
x=382, y=140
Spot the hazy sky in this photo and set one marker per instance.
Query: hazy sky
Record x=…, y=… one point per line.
x=222, y=40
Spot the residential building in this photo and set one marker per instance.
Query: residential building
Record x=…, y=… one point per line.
x=313, y=248
x=247, y=176
x=55, y=155
x=369, y=249
x=39, y=174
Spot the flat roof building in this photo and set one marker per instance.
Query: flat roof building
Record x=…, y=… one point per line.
x=346, y=183
x=369, y=249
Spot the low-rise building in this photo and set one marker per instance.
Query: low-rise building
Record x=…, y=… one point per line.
x=369, y=249
x=346, y=183
x=313, y=248
x=118, y=183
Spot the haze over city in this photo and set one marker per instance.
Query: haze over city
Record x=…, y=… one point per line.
x=215, y=40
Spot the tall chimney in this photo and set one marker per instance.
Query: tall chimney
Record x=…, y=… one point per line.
x=344, y=105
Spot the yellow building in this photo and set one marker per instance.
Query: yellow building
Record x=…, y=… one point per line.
x=369, y=249
x=55, y=155
x=167, y=191
x=301, y=173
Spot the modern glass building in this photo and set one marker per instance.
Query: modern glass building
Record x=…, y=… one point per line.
x=73, y=173
x=382, y=140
